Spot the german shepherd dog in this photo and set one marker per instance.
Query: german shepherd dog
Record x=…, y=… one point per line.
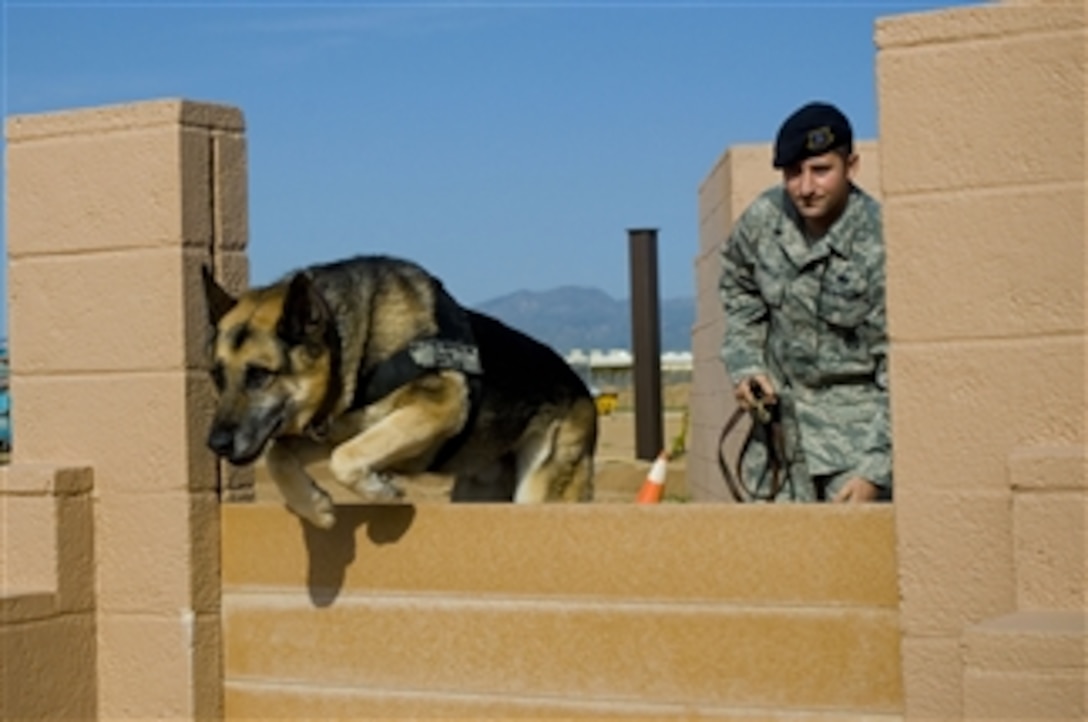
x=370, y=363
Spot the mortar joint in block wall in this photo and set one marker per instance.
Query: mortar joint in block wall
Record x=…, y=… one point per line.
x=38, y=479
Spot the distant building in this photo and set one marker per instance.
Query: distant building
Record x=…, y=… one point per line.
x=613, y=369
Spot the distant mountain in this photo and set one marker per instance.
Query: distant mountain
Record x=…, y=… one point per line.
x=572, y=317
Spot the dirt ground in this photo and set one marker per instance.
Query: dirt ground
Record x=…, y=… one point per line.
x=618, y=474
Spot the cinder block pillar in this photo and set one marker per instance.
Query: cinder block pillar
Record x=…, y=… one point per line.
x=982, y=133
x=740, y=175
x=112, y=211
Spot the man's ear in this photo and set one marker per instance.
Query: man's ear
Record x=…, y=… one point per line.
x=305, y=314
x=853, y=165
x=219, y=302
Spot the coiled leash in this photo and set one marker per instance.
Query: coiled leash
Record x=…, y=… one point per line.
x=766, y=422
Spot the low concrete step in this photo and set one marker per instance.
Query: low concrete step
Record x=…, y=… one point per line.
x=709, y=654
x=725, y=552
x=277, y=700
x=1027, y=665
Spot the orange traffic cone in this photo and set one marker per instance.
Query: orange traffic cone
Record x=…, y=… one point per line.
x=654, y=486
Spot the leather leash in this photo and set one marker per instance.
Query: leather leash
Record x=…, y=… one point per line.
x=765, y=419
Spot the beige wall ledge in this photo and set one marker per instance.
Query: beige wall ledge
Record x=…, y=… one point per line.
x=130, y=116
x=985, y=21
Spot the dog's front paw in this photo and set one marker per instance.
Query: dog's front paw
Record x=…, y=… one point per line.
x=378, y=487
x=345, y=469
x=319, y=510
x=374, y=486
x=361, y=479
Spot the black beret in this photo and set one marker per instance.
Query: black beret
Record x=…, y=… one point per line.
x=812, y=129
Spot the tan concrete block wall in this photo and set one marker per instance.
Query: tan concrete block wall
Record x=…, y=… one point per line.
x=739, y=176
x=1028, y=391
x=29, y=525
x=47, y=668
x=48, y=664
x=647, y=541
x=982, y=136
x=1009, y=291
x=674, y=611
x=1050, y=509
x=112, y=212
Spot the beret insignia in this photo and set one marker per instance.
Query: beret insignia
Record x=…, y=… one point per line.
x=820, y=139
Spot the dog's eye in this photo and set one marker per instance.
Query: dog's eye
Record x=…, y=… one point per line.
x=218, y=377
x=257, y=377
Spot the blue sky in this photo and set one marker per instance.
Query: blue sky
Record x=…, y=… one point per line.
x=503, y=145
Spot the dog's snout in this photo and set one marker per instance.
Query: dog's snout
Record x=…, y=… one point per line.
x=221, y=440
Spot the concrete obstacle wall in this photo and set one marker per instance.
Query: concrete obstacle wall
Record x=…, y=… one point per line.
x=472, y=611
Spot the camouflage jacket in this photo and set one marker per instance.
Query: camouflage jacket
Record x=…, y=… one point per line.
x=812, y=317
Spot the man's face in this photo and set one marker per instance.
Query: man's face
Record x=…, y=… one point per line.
x=819, y=187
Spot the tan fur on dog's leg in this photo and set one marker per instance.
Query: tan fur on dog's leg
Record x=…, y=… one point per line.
x=285, y=459
x=580, y=485
x=410, y=431
x=558, y=465
x=357, y=463
x=534, y=473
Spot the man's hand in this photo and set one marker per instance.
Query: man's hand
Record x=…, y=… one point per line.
x=857, y=490
x=745, y=397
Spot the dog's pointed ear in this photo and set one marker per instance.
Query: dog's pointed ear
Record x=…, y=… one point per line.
x=219, y=302
x=305, y=314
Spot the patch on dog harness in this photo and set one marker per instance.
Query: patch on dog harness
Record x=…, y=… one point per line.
x=439, y=353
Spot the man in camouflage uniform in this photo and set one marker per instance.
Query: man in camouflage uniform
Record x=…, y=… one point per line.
x=803, y=291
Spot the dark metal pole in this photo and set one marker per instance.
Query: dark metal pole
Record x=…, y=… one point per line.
x=646, y=343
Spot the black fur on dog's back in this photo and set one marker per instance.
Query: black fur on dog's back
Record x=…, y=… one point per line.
x=525, y=381
x=521, y=368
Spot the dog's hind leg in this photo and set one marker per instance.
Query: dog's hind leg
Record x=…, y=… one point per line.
x=579, y=483
x=556, y=463
x=286, y=459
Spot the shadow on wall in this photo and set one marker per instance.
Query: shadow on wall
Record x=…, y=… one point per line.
x=332, y=551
